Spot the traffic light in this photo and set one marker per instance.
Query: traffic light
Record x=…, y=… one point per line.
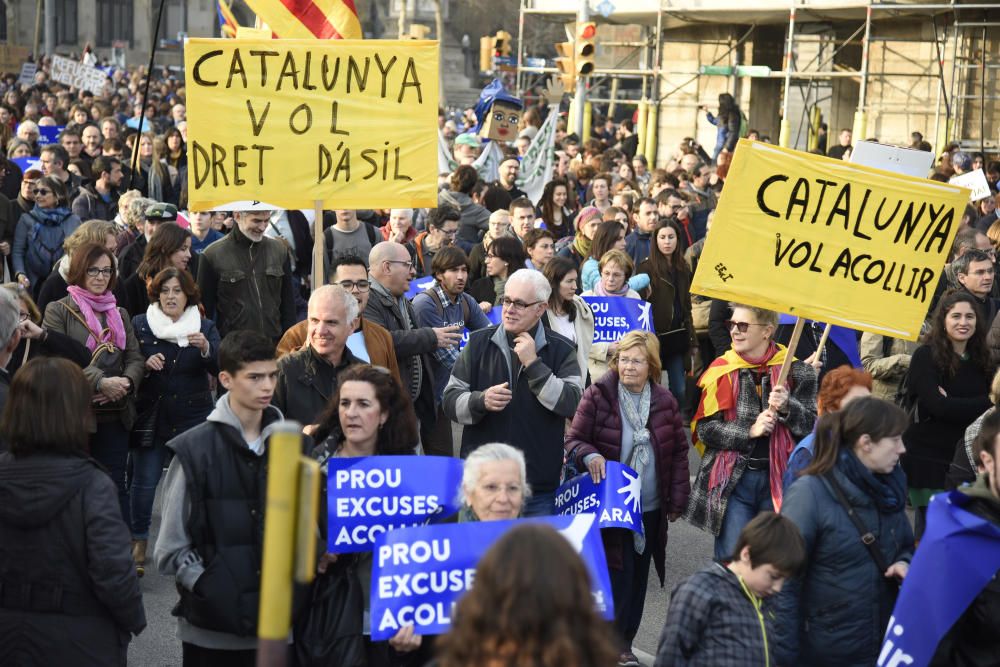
x=501, y=44
x=585, y=48
x=565, y=65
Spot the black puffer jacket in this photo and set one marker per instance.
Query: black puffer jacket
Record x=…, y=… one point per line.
x=68, y=589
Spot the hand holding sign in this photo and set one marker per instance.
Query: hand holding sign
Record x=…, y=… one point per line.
x=764, y=424
x=596, y=468
x=777, y=400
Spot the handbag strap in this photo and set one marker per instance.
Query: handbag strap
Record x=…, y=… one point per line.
x=867, y=537
x=106, y=346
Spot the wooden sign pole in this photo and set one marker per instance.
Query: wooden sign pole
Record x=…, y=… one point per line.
x=792, y=344
x=319, y=246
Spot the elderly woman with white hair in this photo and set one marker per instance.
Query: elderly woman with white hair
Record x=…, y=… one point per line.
x=494, y=484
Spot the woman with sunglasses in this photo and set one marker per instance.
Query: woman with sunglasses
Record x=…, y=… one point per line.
x=38, y=239
x=747, y=425
x=90, y=315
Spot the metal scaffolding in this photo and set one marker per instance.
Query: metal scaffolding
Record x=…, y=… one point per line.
x=959, y=34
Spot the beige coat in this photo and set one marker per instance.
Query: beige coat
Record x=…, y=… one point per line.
x=886, y=371
x=57, y=318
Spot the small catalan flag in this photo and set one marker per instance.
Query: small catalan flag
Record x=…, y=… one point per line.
x=227, y=22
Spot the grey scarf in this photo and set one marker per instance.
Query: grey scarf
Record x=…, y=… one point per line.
x=642, y=450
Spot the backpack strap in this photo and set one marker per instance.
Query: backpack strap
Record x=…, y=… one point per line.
x=867, y=537
x=436, y=298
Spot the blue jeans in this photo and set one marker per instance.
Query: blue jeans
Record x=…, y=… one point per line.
x=628, y=585
x=145, y=468
x=751, y=496
x=676, y=378
x=540, y=504
x=109, y=446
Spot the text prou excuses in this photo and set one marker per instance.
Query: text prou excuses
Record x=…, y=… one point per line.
x=216, y=166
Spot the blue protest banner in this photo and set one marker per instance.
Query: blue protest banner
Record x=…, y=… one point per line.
x=960, y=543
x=48, y=134
x=26, y=163
x=418, y=285
x=615, y=499
x=370, y=495
x=615, y=316
x=493, y=316
x=418, y=574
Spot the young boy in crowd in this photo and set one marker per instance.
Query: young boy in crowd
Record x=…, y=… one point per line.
x=213, y=509
x=717, y=617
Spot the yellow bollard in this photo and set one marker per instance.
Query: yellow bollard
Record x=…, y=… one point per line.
x=785, y=135
x=860, y=127
x=649, y=147
x=588, y=114
x=814, y=121
x=571, y=127
x=283, y=456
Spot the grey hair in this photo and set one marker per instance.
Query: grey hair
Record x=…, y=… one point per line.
x=137, y=210
x=334, y=292
x=491, y=453
x=543, y=290
x=409, y=212
x=10, y=316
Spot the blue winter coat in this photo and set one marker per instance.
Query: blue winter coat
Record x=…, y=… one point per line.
x=182, y=385
x=836, y=612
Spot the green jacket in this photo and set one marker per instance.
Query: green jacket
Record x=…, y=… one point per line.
x=247, y=285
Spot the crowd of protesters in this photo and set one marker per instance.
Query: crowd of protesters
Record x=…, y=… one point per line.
x=144, y=335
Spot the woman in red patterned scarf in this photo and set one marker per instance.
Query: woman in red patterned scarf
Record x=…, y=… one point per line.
x=747, y=427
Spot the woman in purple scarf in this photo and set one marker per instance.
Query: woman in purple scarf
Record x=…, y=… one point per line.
x=90, y=315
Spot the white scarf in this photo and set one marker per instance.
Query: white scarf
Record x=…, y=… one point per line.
x=166, y=329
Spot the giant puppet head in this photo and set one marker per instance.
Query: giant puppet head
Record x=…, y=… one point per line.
x=498, y=113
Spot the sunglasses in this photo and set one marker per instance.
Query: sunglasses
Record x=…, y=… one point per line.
x=41, y=191
x=740, y=326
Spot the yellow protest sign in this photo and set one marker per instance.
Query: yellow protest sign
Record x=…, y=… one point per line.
x=829, y=240
x=350, y=123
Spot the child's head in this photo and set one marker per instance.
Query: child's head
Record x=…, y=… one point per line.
x=770, y=549
x=248, y=369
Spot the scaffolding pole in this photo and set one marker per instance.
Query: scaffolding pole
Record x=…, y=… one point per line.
x=785, y=134
x=861, y=114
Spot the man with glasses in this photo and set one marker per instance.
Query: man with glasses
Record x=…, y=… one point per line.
x=370, y=342
x=391, y=269
x=518, y=383
x=442, y=229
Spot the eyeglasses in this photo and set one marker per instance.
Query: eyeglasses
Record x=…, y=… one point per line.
x=627, y=361
x=351, y=285
x=407, y=264
x=517, y=304
x=741, y=326
x=107, y=272
x=41, y=191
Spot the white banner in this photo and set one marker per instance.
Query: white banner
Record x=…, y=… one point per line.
x=78, y=75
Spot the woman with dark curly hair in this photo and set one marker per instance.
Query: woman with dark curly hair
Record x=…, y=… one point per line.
x=949, y=378
x=495, y=626
x=369, y=415
x=553, y=208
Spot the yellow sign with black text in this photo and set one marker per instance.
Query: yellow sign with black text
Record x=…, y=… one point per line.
x=829, y=240
x=349, y=123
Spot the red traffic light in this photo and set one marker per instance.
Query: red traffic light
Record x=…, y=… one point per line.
x=588, y=31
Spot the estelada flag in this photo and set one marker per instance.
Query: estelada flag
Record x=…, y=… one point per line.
x=227, y=22
x=309, y=19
